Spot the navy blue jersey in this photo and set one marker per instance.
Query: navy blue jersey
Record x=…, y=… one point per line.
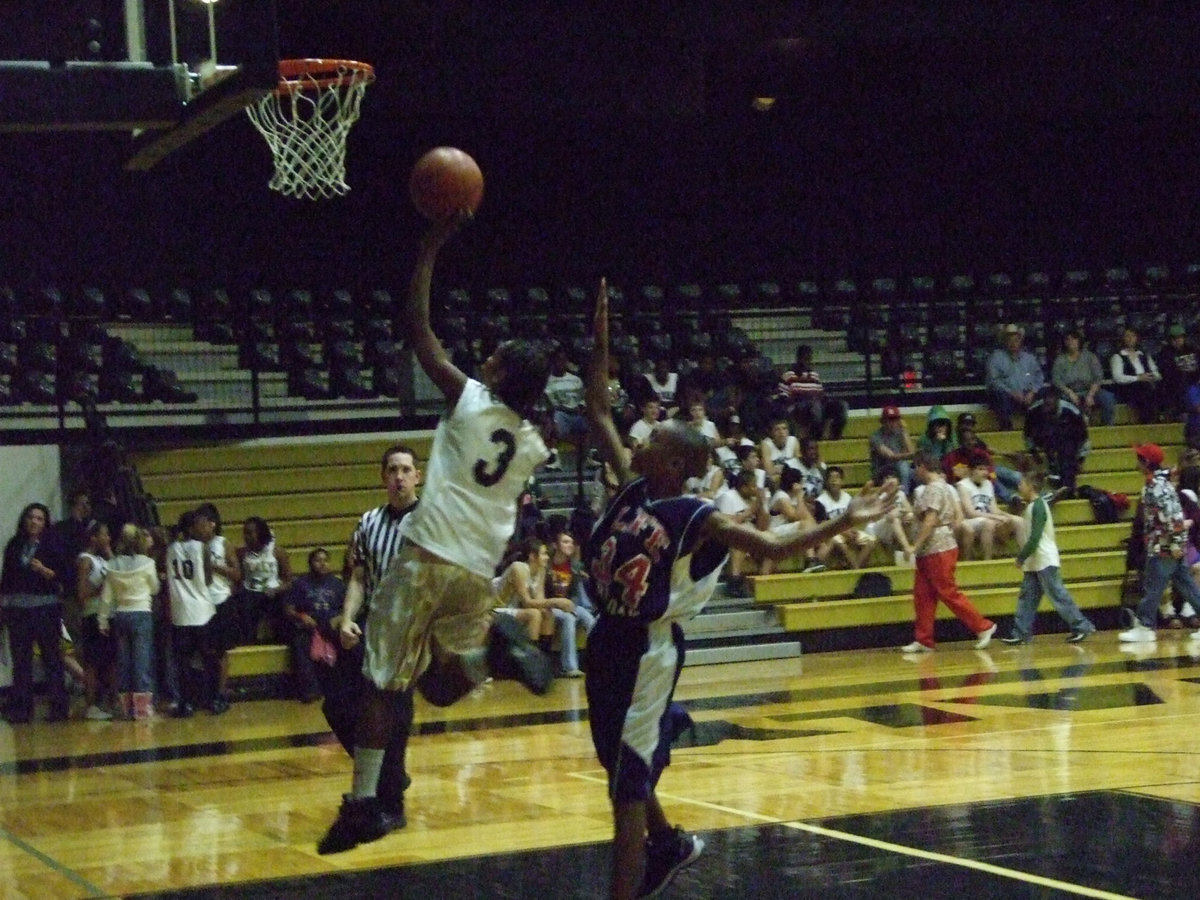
x=643, y=561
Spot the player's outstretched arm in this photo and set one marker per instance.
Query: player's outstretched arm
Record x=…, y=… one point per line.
x=604, y=435
x=735, y=536
x=418, y=329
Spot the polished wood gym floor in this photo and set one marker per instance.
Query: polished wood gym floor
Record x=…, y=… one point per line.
x=1042, y=771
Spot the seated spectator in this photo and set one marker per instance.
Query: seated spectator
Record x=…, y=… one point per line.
x=891, y=443
x=937, y=439
x=699, y=420
x=730, y=426
x=568, y=601
x=714, y=478
x=749, y=461
x=1078, y=375
x=1179, y=364
x=639, y=431
x=895, y=531
x=753, y=384
x=956, y=464
x=805, y=401
x=1013, y=377
x=311, y=605
x=854, y=545
x=664, y=383
x=743, y=502
x=564, y=391
x=1057, y=430
x=624, y=412
x=812, y=470
x=778, y=449
x=701, y=383
x=788, y=512
x=1136, y=377
x=1186, y=478
x=520, y=588
x=983, y=523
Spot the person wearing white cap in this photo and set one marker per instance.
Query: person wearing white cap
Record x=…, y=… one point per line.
x=1014, y=376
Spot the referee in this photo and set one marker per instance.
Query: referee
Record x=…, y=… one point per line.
x=375, y=542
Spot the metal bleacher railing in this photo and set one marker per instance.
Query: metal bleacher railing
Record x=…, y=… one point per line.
x=266, y=358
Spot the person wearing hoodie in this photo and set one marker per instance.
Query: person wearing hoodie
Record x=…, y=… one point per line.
x=937, y=439
x=125, y=607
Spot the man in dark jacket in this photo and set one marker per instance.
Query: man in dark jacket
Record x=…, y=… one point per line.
x=1057, y=430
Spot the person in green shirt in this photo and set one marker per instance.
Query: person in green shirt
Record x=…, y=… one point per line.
x=1039, y=559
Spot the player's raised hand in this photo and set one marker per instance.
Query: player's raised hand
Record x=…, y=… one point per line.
x=873, y=504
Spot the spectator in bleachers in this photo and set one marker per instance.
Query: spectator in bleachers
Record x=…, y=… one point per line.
x=567, y=601
x=788, y=512
x=701, y=382
x=313, y=602
x=778, y=449
x=1014, y=376
x=937, y=438
x=623, y=410
x=1057, y=430
x=753, y=386
x=855, y=544
x=730, y=427
x=564, y=390
x=699, y=420
x=1136, y=377
x=664, y=383
x=956, y=463
x=744, y=503
x=894, y=532
x=983, y=523
x=1179, y=364
x=805, y=401
x=891, y=443
x=639, y=431
x=1078, y=375
x=812, y=469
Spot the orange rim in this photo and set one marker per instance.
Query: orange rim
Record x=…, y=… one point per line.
x=315, y=74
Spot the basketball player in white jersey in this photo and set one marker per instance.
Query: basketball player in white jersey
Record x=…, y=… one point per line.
x=428, y=625
x=192, y=609
x=225, y=573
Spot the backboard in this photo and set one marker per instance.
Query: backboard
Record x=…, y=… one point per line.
x=165, y=70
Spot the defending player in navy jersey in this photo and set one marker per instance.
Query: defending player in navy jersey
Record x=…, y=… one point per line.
x=653, y=560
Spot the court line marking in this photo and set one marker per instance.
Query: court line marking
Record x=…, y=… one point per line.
x=53, y=864
x=901, y=849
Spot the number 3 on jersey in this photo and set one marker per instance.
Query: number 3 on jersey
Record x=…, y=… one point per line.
x=508, y=449
x=632, y=575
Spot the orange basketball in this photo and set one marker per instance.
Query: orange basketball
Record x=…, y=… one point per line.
x=445, y=181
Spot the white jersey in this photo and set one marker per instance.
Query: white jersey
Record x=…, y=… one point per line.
x=260, y=569
x=814, y=478
x=191, y=603
x=483, y=454
x=565, y=391
x=220, y=589
x=834, y=509
x=95, y=579
x=640, y=430
x=977, y=498
x=788, y=454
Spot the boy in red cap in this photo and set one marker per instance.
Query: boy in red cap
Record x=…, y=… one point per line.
x=892, y=444
x=1165, y=534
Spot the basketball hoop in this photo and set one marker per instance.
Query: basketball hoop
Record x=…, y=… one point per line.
x=306, y=120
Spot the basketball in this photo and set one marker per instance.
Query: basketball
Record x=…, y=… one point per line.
x=445, y=181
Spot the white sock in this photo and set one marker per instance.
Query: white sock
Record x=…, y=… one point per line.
x=368, y=763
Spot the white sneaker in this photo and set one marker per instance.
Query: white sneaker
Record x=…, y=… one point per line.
x=552, y=463
x=916, y=647
x=985, y=637
x=1195, y=636
x=1138, y=634
x=96, y=714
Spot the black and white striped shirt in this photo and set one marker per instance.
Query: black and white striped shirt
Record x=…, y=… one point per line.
x=376, y=542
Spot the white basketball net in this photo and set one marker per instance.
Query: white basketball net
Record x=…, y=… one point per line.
x=306, y=123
